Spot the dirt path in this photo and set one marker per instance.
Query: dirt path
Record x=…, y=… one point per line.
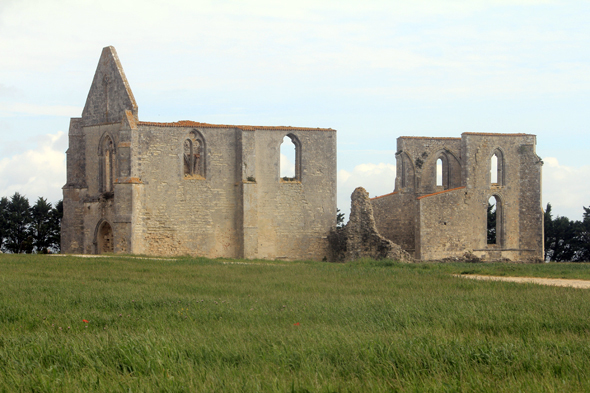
x=558, y=282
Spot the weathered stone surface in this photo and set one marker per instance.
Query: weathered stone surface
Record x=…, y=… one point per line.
x=360, y=237
x=189, y=187
x=437, y=221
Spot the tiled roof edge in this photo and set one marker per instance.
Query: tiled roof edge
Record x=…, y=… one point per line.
x=188, y=123
x=429, y=137
x=381, y=196
x=440, y=192
x=495, y=134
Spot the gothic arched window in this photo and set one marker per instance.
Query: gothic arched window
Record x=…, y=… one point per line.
x=290, y=159
x=442, y=174
x=194, y=155
x=495, y=227
x=497, y=168
x=107, y=165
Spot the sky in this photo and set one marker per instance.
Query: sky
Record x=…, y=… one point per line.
x=372, y=70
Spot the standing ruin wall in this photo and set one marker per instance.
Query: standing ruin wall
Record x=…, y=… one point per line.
x=189, y=187
x=449, y=218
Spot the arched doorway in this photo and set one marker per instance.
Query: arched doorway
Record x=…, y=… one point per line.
x=104, y=238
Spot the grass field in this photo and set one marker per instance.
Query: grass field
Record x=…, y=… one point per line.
x=214, y=325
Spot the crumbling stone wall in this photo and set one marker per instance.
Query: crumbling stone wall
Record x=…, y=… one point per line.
x=235, y=206
x=359, y=238
x=451, y=220
x=395, y=218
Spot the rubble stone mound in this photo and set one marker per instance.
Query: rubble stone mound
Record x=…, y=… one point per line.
x=360, y=239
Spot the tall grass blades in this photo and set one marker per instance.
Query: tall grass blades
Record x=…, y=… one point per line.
x=193, y=324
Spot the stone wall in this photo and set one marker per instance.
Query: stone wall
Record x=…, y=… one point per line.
x=395, y=218
x=129, y=178
x=446, y=223
x=417, y=159
x=359, y=238
x=451, y=221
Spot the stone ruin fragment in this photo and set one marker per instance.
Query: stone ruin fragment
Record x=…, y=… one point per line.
x=359, y=238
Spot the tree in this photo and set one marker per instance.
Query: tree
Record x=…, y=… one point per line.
x=563, y=240
x=548, y=224
x=3, y=220
x=339, y=218
x=41, y=224
x=583, y=237
x=56, y=215
x=17, y=226
x=491, y=223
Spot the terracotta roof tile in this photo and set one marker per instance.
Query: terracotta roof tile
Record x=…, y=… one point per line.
x=429, y=137
x=494, y=134
x=381, y=196
x=440, y=192
x=189, y=123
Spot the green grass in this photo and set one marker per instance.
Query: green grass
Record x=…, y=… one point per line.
x=213, y=325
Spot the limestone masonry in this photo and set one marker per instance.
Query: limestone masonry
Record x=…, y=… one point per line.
x=359, y=238
x=214, y=190
x=449, y=219
x=189, y=187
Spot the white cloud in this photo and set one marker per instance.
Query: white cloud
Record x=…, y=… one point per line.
x=8, y=109
x=40, y=171
x=566, y=188
x=287, y=167
x=377, y=179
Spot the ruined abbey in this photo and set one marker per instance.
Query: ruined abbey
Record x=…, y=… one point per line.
x=435, y=218
x=191, y=188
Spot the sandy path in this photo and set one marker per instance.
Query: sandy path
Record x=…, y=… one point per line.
x=558, y=282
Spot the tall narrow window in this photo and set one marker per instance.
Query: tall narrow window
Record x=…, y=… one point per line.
x=442, y=171
x=497, y=168
x=193, y=155
x=107, y=165
x=494, y=170
x=439, y=172
x=494, y=221
x=188, y=157
x=290, y=159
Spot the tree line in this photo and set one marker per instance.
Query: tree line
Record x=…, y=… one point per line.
x=29, y=229
x=565, y=239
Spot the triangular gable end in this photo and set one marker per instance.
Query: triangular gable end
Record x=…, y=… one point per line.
x=110, y=95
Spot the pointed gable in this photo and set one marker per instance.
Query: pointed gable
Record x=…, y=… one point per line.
x=110, y=95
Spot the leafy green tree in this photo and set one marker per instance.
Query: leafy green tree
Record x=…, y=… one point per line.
x=3, y=220
x=56, y=215
x=491, y=223
x=18, y=238
x=548, y=225
x=583, y=237
x=41, y=224
x=339, y=219
x=561, y=240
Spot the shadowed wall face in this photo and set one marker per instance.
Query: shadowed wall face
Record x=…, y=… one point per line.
x=446, y=215
x=190, y=187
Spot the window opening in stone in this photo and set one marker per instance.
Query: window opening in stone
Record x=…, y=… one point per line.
x=188, y=157
x=403, y=172
x=494, y=220
x=439, y=172
x=105, y=238
x=107, y=166
x=497, y=168
x=288, y=159
x=494, y=170
x=193, y=160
